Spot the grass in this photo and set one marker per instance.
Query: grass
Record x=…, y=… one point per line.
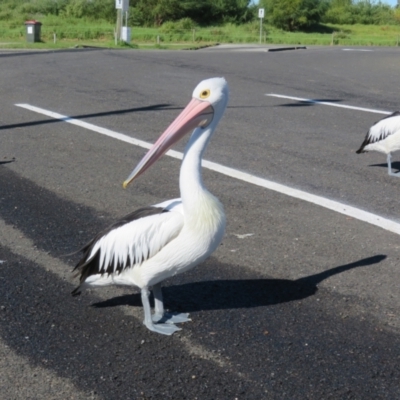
x=75, y=32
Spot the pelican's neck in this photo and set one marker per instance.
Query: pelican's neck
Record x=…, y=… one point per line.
x=190, y=180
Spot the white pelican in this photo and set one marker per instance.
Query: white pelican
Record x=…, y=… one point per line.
x=160, y=241
x=384, y=136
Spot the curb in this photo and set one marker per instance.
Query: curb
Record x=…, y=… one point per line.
x=288, y=48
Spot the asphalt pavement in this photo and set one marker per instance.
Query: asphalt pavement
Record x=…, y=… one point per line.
x=298, y=302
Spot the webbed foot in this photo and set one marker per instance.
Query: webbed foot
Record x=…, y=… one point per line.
x=164, y=329
x=171, y=318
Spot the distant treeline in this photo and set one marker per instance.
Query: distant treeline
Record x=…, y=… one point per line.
x=304, y=14
x=186, y=14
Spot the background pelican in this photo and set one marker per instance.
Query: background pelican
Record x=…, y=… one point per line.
x=157, y=242
x=384, y=136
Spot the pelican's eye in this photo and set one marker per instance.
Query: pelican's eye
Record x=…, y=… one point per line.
x=205, y=94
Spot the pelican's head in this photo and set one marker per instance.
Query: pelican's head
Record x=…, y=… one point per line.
x=215, y=91
x=210, y=98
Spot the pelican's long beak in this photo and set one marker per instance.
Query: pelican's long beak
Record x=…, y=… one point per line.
x=196, y=114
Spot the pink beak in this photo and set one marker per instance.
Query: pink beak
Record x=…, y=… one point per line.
x=196, y=114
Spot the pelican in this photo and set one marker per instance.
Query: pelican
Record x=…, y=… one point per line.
x=384, y=136
x=157, y=242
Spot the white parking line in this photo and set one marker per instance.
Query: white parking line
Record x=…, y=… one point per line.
x=341, y=208
x=327, y=103
x=356, y=50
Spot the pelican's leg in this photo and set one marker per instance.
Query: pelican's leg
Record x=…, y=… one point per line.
x=160, y=315
x=164, y=329
x=389, y=163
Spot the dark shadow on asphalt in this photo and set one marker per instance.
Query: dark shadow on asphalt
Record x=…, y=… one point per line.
x=311, y=102
x=19, y=53
x=232, y=294
x=7, y=161
x=154, y=107
x=395, y=165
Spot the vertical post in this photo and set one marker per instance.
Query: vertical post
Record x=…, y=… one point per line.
x=54, y=37
x=261, y=16
x=119, y=24
x=194, y=30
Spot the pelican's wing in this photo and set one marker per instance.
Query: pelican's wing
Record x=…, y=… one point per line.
x=381, y=130
x=130, y=241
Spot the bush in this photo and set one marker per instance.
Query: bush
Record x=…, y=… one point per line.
x=361, y=12
x=184, y=24
x=5, y=15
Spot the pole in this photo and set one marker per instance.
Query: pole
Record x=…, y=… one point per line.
x=119, y=23
x=261, y=16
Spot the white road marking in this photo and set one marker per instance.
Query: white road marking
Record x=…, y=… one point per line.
x=356, y=50
x=327, y=103
x=332, y=205
x=243, y=236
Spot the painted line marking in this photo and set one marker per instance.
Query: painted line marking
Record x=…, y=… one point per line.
x=356, y=50
x=332, y=205
x=327, y=103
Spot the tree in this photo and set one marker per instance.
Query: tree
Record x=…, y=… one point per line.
x=295, y=14
x=203, y=12
x=360, y=12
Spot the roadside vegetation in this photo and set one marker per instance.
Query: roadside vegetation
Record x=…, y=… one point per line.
x=191, y=23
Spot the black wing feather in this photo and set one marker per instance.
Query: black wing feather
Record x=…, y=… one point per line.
x=368, y=140
x=89, y=267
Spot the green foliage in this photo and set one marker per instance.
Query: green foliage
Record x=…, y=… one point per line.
x=5, y=15
x=234, y=11
x=360, y=12
x=202, y=12
x=45, y=7
x=293, y=15
x=288, y=15
x=183, y=24
x=91, y=9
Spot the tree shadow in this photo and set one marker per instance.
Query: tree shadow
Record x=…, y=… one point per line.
x=319, y=28
x=241, y=293
x=21, y=53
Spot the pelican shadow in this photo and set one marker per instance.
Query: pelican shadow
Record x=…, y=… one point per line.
x=395, y=165
x=241, y=293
